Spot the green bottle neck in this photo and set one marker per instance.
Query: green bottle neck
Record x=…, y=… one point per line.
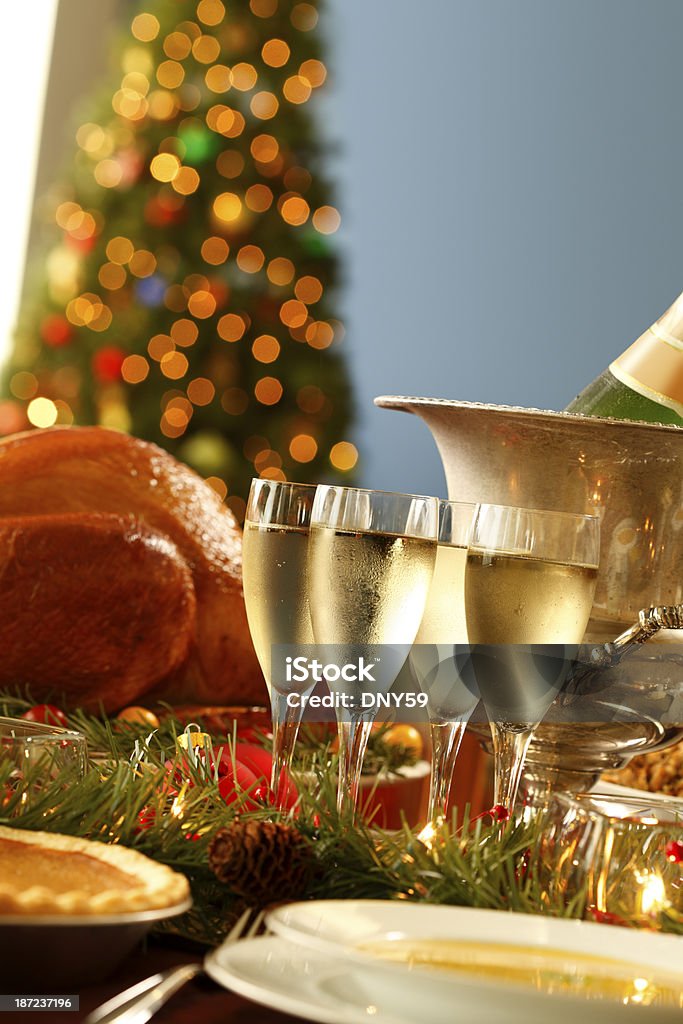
x=609, y=397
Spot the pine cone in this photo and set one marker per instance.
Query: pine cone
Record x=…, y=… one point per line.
x=262, y=861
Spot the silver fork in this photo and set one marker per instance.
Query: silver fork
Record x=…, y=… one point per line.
x=140, y=1002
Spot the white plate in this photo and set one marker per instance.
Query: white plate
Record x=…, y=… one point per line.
x=335, y=928
x=289, y=978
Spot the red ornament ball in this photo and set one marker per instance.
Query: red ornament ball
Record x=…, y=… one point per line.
x=255, y=758
x=674, y=851
x=47, y=714
x=56, y=331
x=107, y=363
x=234, y=782
x=258, y=760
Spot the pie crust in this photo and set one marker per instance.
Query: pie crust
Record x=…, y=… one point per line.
x=65, y=875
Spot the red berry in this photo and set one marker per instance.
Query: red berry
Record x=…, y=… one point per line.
x=496, y=813
x=145, y=819
x=607, y=917
x=674, y=851
x=47, y=714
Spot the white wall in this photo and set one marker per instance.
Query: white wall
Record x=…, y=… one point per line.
x=27, y=30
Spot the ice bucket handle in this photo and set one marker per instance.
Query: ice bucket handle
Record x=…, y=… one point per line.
x=650, y=621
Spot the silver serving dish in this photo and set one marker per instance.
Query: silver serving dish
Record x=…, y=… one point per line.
x=54, y=953
x=631, y=474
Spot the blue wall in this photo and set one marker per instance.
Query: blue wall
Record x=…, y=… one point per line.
x=512, y=183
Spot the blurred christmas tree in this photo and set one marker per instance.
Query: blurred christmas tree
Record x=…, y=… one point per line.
x=187, y=297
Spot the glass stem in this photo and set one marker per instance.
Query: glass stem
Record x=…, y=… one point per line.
x=353, y=741
x=446, y=740
x=286, y=722
x=510, y=745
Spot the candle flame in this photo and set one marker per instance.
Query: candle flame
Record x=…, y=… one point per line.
x=429, y=833
x=652, y=893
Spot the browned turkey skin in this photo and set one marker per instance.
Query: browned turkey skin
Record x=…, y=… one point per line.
x=120, y=575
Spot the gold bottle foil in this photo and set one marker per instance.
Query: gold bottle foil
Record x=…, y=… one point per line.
x=653, y=367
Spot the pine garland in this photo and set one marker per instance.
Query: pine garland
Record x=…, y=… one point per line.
x=138, y=802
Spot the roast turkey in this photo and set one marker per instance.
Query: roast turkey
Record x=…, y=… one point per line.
x=120, y=575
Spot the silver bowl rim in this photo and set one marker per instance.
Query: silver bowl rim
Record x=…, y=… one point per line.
x=402, y=402
x=94, y=920
x=582, y=801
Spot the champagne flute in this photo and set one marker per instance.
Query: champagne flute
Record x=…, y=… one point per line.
x=371, y=561
x=274, y=576
x=530, y=580
x=433, y=656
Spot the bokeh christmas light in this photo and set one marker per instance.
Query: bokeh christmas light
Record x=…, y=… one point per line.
x=187, y=291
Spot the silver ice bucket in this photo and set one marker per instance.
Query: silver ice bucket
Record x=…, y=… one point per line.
x=631, y=474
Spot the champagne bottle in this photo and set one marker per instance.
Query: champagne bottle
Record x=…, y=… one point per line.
x=646, y=381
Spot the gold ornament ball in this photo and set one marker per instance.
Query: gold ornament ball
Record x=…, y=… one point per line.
x=137, y=715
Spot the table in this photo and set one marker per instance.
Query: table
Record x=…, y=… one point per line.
x=199, y=1002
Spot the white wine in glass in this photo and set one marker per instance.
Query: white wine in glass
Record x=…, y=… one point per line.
x=379, y=580
x=371, y=562
x=433, y=657
x=275, y=581
x=444, y=619
x=530, y=580
x=515, y=599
